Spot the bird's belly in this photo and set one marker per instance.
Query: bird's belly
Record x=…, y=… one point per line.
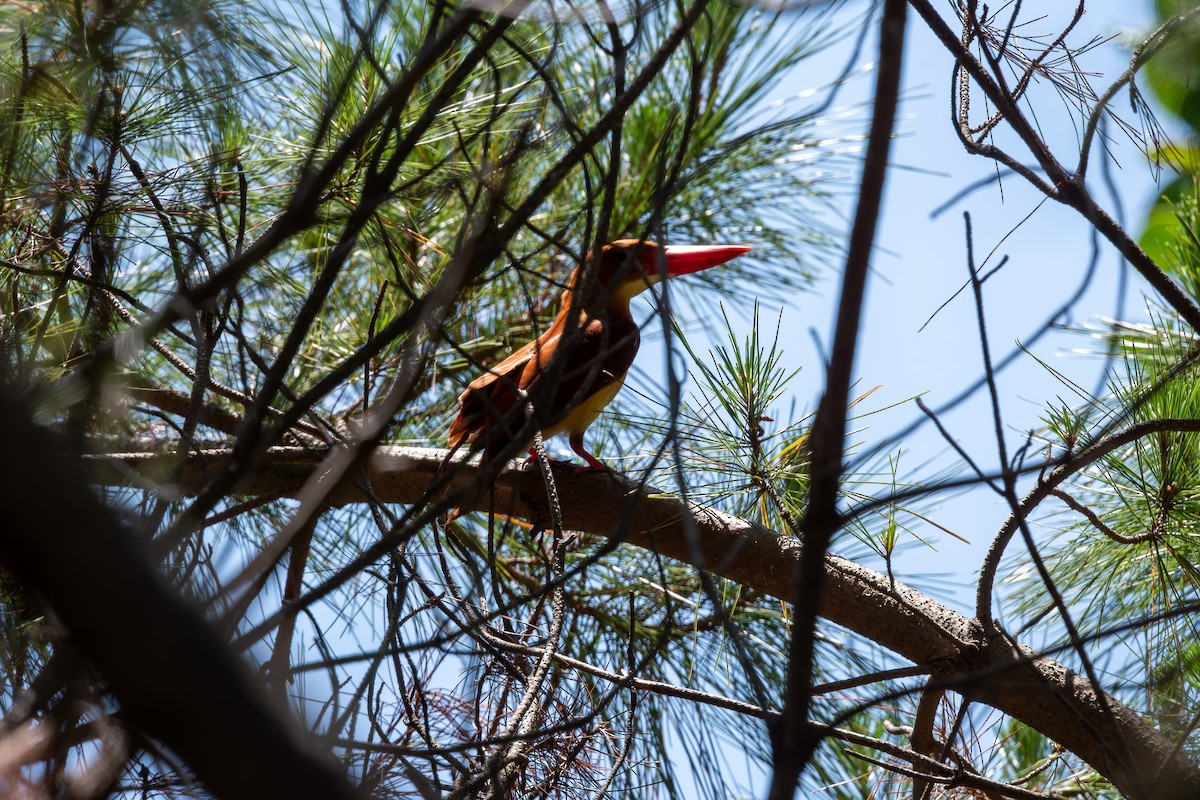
x=584, y=414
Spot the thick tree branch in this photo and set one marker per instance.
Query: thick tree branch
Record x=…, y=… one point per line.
x=1036, y=690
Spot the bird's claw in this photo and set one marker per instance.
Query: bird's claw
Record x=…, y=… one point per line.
x=595, y=467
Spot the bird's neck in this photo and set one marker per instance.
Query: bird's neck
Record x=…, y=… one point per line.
x=614, y=303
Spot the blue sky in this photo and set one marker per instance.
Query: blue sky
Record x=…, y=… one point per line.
x=921, y=263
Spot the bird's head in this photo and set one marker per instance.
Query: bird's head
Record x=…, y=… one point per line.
x=627, y=267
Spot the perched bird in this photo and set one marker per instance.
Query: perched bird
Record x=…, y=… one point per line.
x=568, y=390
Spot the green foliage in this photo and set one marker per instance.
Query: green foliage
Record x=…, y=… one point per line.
x=1122, y=545
x=1173, y=70
x=732, y=431
x=335, y=203
x=146, y=146
x=1171, y=75
x=1172, y=217
x=1130, y=556
x=1122, y=569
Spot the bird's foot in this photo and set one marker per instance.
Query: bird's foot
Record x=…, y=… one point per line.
x=532, y=458
x=592, y=468
x=594, y=465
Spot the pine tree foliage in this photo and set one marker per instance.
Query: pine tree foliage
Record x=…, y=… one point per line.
x=150, y=147
x=249, y=252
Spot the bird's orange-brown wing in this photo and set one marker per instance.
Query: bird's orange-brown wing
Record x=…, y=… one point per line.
x=583, y=383
x=590, y=378
x=491, y=396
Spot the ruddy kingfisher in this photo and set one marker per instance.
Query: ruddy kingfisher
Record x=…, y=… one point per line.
x=568, y=393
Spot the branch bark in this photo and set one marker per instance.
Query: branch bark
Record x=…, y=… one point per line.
x=1037, y=690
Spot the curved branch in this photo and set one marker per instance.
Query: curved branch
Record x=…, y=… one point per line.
x=1046, y=487
x=1100, y=525
x=1037, y=690
x=1142, y=54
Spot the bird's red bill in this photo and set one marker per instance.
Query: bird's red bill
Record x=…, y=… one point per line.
x=683, y=259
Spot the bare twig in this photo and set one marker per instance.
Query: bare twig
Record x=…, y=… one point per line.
x=792, y=742
x=1099, y=524
x=1059, y=184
